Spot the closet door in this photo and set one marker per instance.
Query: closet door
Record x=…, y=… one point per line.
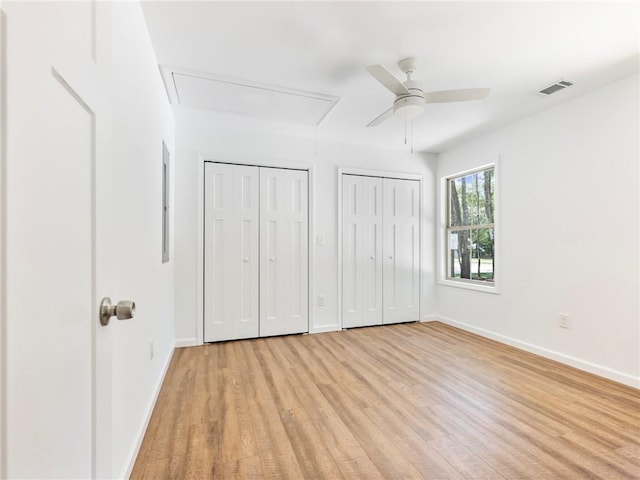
x=361, y=251
x=284, y=256
x=231, y=252
x=401, y=254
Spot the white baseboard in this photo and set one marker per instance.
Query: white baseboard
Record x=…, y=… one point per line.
x=590, y=367
x=150, y=407
x=192, y=342
x=186, y=342
x=430, y=318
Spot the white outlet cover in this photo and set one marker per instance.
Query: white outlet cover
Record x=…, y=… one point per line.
x=564, y=320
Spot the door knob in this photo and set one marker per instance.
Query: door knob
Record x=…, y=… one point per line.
x=272, y=259
x=372, y=257
x=123, y=310
x=245, y=259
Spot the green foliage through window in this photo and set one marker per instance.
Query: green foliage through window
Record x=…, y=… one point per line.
x=471, y=226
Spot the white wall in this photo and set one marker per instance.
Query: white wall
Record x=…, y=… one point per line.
x=142, y=119
x=568, y=231
x=229, y=138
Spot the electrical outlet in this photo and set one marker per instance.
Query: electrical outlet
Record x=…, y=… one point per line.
x=151, y=350
x=321, y=240
x=563, y=320
x=321, y=300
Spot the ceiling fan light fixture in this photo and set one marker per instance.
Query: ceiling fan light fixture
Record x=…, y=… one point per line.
x=408, y=108
x=410, y=98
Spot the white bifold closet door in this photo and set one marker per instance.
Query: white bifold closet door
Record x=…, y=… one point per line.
x=284, y=256
x=362, y=251
x=255, y=252
x=231, y=252
x=380, y=250
x=401, y=250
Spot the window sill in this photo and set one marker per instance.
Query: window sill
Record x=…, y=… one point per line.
x=470, y=286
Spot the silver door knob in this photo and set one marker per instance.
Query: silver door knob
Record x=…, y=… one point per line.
x=245, y=259
x=123, y=310
x=390, y=257
x=372, y=257
x=272, y=259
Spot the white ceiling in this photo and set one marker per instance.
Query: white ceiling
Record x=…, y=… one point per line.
x=515, y=48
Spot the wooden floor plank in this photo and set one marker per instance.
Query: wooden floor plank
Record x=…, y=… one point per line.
x=394, y=402
x=388, y=459
x=248, y=468
x=312, y=455
x=428, y=462
x=468, y=463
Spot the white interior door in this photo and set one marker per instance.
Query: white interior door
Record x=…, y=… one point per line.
x=231, y=252
x=284, y=256
x=54, y=372
x=361, y=251
x=401, y=255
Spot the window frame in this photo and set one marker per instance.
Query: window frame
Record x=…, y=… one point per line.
x=444, y=252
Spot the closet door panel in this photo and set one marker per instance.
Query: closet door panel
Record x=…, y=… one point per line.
x=231, y=252
x=401, y=250
x=361, y=251
x=295, y=252
x=246, y=294
x=284, y=257
x=372, y=252
x=352, y=314
x=271, y=198
x=217, y=231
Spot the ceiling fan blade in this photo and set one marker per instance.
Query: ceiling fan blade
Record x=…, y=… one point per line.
x=381, y=118
x=388, y=79
x=463, y=95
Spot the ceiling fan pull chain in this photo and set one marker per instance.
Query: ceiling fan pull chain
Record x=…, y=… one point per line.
x=412, y=137
x=405, y=131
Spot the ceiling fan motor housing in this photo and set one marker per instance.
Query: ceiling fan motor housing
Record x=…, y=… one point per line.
x=411, y=105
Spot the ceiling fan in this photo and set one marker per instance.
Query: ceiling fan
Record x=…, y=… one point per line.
x=410, y=98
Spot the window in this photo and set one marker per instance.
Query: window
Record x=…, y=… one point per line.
x=165, y=203
x=471, y=227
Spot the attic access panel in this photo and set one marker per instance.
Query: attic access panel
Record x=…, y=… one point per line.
x=248, y=98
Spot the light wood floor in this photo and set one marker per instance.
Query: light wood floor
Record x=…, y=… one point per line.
x=394, y=402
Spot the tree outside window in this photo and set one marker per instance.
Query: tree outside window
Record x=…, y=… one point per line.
x=471, y=226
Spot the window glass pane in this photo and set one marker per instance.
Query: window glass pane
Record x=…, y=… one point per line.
x=476, y=200
x=470, y=249
x=481, y=253
x=471, y=199
x=488, y=193
x=455, y=202
x=459, y=254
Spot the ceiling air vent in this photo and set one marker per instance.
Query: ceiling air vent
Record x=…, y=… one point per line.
x=555, y=86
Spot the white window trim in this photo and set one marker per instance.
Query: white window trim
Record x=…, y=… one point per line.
x=442, y=232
